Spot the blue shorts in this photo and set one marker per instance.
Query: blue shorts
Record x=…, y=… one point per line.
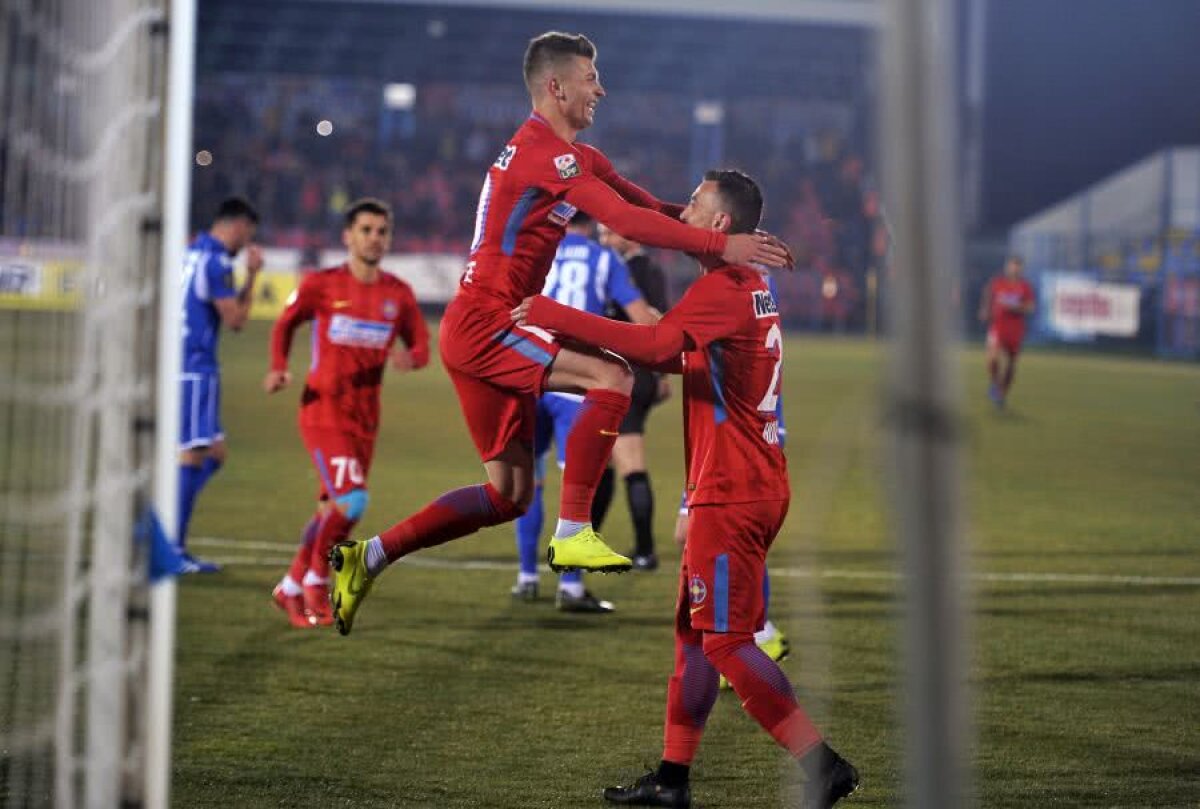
x=556, y=413
x=200, y=409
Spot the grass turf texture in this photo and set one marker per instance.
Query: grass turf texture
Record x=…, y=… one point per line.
x=448, y=694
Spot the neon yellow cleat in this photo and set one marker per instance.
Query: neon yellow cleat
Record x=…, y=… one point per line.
x=585, y=550
x=775, y=647
x=351, y=582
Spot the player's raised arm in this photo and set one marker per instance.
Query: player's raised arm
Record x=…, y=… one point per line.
x=652, y=228
x=234, y=309
x=602, y=167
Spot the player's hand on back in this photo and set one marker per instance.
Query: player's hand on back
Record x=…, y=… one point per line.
x=521, y=311
x=753, y=248
x=276, y=381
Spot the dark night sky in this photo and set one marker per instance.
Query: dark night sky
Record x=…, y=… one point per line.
x=1077, y=89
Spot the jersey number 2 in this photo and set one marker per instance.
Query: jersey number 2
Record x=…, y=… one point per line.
x=774, y=346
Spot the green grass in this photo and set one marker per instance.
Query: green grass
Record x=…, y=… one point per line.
x=449, y=695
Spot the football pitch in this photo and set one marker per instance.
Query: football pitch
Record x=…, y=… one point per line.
x=1084, y=528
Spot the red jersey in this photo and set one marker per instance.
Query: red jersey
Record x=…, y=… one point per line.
x=731, y=383
x=530, y=193
x=356, y=325
x=1006, y=296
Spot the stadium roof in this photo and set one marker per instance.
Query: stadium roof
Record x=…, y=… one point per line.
x=829, y=12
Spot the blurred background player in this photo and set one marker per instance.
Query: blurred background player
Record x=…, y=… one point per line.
x=210, y=301
x=537, y=182
x=724, y=336
x=1005, y=305
x=649, y=389
x=359, y=310
x=588, y=276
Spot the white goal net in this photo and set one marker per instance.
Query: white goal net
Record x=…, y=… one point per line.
x=81, y=100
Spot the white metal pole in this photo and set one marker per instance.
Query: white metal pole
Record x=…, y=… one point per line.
x=176, y=189
x=922, y=187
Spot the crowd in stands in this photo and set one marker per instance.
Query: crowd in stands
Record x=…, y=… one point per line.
x=428, y=161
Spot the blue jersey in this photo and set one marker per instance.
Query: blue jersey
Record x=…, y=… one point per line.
x=207, y=277
x=586, y=275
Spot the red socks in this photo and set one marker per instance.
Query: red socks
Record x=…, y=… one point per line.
x=454, y=514
x=589, y=446
x=304, y=552
x=333, y=529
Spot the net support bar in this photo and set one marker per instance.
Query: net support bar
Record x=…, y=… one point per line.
x=921, y=183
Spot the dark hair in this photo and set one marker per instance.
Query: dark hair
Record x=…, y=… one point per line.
x=236, y=208
x=741, y=196
x=367, y=205
x=551, y=48
x=581, y=219
x=1015, y=257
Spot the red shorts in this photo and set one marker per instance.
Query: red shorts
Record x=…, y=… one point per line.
x=498, y=369
x=343, y=460
x=1007, y=337
x=721, y=578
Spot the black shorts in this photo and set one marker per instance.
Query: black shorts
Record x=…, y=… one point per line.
x=645, y=389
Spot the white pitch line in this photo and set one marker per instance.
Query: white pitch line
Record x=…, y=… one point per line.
x=783, y=572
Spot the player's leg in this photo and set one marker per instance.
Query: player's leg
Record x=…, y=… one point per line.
x=1011, y=348
x=608, y=382
x=691, y=694
x=288, y=594
x=993, y=366
x=570, y=596
x=202, y=451
x=726, y=553
x=529, y=524
x=495, y=418
x=629, y=458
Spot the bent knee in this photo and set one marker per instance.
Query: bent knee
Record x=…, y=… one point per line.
x=353, y=503
x=615, y=374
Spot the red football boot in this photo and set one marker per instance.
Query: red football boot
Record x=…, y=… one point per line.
x=293, y=606
x=316, y=604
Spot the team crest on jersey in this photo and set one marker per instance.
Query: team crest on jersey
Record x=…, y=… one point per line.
x=562, y=213
x=567, y=166
x=389, y=309
x=697, y=590
x=506, y=156
x=764, y=304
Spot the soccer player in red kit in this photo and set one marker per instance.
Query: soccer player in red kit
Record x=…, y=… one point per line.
x=1006, y=304
x=538, y=181
x=724, y=337
x=358, y=312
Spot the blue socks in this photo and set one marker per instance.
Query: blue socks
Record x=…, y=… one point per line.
x=191, y=480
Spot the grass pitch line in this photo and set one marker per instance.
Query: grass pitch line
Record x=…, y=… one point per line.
x=782, y=572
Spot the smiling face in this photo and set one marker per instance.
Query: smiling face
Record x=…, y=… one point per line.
x=576, y=89
x=705, y=209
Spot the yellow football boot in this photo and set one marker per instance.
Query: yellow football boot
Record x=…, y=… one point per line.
x=351, y=582
x=585, y=550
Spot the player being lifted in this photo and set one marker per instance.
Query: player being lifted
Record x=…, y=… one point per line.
x=498, y=368
x=359, y=311
x=1006, y=304
x=724, y=337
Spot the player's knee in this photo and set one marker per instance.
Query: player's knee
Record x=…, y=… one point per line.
x=719, y=646
x=509, y=504
x=353, y=503
x=217, y=452
x=613, y=373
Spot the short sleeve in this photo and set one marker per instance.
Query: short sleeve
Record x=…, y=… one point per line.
x=621, y=288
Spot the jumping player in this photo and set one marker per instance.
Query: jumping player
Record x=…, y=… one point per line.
x=1006, y=303
x=498, y=368
x=359, y=311
x=724, y=337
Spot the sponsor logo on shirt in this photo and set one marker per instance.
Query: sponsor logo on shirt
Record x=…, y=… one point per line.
x=345, y=330
x=563, y=212
x=567, y=166
x=764, y=304
x=506, y=156
x=697, y=590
